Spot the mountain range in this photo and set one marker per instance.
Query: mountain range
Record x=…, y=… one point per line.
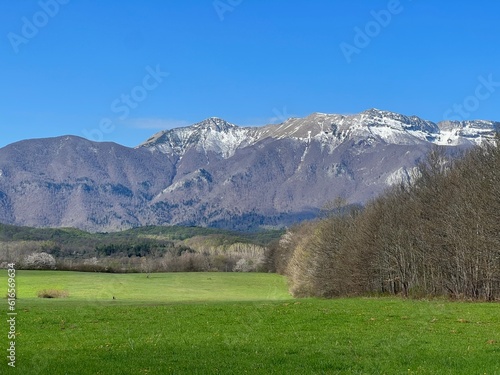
x=217, y=174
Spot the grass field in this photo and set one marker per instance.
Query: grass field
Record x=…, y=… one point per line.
x=158, y=287
x=215, y=323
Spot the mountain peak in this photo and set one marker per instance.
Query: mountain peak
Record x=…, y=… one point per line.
x=215, y=123
x=380, y=113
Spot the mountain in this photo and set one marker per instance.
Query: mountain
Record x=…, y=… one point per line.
x=69, y=181
x=217, y=174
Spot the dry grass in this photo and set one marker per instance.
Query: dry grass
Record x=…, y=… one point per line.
x=52, y=293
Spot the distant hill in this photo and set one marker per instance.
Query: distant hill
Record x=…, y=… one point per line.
x=74, y=239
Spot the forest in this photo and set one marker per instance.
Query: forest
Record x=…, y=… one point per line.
x=438, y=235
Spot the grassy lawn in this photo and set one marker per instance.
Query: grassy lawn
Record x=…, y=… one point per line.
x=237, y=324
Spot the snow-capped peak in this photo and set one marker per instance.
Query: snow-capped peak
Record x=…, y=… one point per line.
x=223, y=138
x=215, y=123
x=211, y=135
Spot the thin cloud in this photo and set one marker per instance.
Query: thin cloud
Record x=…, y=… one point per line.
x=156, y=123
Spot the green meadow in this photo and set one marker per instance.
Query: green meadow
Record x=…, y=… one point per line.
x=155, y=287
x=238, y=323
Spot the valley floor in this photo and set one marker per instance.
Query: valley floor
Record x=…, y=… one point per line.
x=210, y=323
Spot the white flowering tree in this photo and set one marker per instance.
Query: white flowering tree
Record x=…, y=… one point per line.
x=40, y=261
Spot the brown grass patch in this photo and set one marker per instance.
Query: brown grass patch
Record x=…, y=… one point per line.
x=52, y=293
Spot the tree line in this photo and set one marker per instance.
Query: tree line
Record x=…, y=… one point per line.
x=436, y=236
x=147, y=249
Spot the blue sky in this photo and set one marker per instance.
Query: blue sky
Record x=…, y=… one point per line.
x=122, y=70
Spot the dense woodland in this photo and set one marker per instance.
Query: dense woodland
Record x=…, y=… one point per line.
x=437, y=236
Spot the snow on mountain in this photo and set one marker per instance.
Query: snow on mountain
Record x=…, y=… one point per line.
x=330, y=130
x=458, y=132
x=213, y=134
x=217, y=174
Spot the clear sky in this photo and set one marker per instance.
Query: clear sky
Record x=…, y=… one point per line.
x=122, y=70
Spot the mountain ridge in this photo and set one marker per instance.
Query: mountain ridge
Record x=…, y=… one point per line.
x=214, y=173
x=438, y=133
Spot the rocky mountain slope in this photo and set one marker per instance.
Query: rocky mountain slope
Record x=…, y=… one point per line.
x=214, y=173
